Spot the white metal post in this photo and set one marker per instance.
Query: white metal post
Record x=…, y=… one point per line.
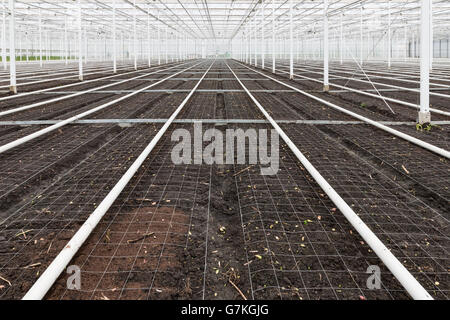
x=114, y=35
x=66, y=41
x=4, y=56
x=250, y=39
x=424, y=114
x=361, y=53
x=263, y=37
x=326, y=51
x=19, y=44
x=341, y=46
x=203, y=49
x=406, y=43
x=40, y=39
x=431, y=35
x=159, y=41
x=389, y=40
x=273, y=38
x=167, y=46
x=291, y=40
x=80, y=42
x=26, y=47
x=12, y=47
x=256, y=41
x=149, y=41
x=86, y=47
x=178, y=48
x=134, y=35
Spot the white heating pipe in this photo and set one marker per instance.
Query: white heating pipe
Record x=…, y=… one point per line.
x=408, y=104
x=69, y=85
x=48, y=278
x=38, y=104
x=399, y=134
x=39, y=133
x=412, y=286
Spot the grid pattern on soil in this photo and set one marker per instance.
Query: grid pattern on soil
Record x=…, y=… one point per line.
x=153, y=243
x=201, y=231
x=373, y=108
x=37, y=230
x=416, y=233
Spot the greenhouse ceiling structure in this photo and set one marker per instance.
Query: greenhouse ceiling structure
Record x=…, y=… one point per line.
x=224, y=150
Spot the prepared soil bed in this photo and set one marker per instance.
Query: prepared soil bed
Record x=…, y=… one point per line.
x=55, y=212
x=175, y=233
x=372, y=108
x=199, y=231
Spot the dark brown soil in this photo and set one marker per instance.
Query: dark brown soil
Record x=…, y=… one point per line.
x=223, y=231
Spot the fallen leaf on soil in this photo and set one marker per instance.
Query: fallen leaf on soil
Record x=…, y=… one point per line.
x=145, y=236
x=403, y=167
x=6, y=280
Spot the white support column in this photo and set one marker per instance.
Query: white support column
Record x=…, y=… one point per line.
x=250, y=52
x=66, y=41
x=159, y=39
x=19, y=45
x=27, y=52
x=167, y=46
x=361, y=46
x=291, y=39
x=40, y=39
x=406, y=50
x=12, y=47
x=80, y=42
x=326, y=51
x=424, y=114
x=255, y=47
x=149, y=40
x=178, y=52
x=431, y=36
x=389, y=40
x=86, y=45
x=135, y=36
x=114, y=35
x=341, y=45
x=273, y=38
x=203, y=49
x=4, y=55
x=263, y=37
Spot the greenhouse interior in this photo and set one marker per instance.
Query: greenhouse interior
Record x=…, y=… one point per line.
x=225, y=150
